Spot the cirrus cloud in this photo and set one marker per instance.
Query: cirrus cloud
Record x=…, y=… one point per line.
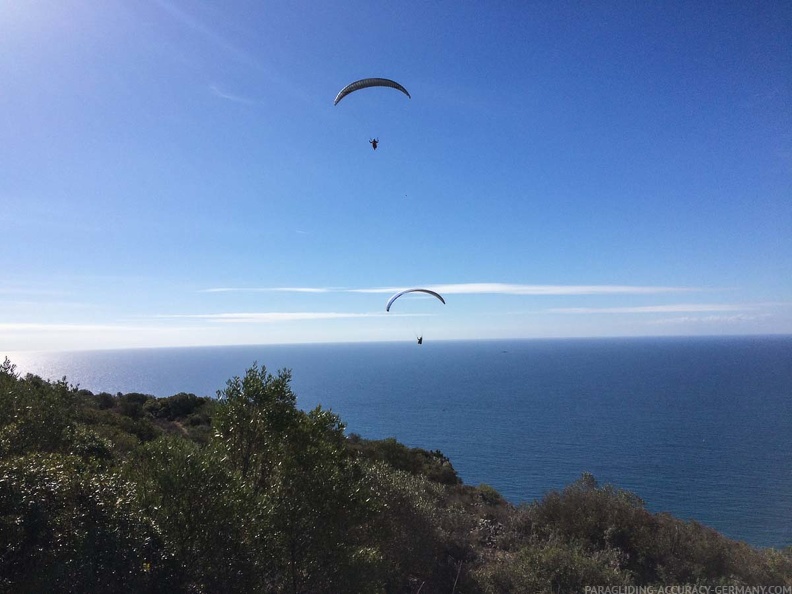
x=268, y=317
x=476, y=289
x=673, y=308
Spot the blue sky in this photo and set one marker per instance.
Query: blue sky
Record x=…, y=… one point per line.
x=174, y=173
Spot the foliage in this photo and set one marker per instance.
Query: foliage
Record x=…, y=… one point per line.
x=181, y=405
x=66, y=526
x=208, y=518
x=255, y=412
x=248, y=493
x=433, y=465
x=300, y=467
x=549, y=567
x=653, y=548
x=422, y=530
x=490, y=496
x=34, y=414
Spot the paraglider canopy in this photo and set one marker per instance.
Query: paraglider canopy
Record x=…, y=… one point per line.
x=400, y=293
x=369, y=82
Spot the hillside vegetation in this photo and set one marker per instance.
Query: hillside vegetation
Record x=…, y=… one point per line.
x=248, y=493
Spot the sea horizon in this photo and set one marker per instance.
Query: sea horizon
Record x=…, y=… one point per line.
x=12, y=352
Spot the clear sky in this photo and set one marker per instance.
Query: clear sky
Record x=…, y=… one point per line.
x=174, y=172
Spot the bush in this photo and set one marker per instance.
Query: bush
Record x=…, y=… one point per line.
x=655, y=549
x=208, y=518
x=552, y=567
x=67, y=527
x=431, y=464
x=423, y=539
x=34, y=414
x=104, y=401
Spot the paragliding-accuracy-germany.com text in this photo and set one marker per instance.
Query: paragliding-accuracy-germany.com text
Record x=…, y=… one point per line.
x=687, y=589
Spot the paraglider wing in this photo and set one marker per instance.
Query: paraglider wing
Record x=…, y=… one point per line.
x=399, y=294
x=369, y=82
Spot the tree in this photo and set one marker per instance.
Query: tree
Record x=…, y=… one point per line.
x=35, y=415
x=311, y=489
x=253, y=413
x=321, y=506
x=207, y=515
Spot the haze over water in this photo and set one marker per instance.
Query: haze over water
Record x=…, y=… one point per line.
x=698, y=427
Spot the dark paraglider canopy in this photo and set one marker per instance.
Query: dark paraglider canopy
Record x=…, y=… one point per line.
x=400, y=293
x=366, y=83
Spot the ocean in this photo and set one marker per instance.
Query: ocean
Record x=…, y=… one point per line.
x=698, y=427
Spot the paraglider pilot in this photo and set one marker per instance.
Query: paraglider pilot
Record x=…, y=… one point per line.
x=374, y=142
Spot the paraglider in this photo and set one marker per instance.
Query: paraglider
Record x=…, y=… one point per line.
x=400, y=293
x=366, y=83
x=419, y=337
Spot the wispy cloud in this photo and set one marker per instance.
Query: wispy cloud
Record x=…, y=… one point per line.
x=510, y=289
x=229, y=96
x=480, y=289
x=714, y=319
x=269, y=317
x=231, y=49
x=28, y=291
x=207, y=33
x=272, y=290
x=674, y=308
x=65, y=327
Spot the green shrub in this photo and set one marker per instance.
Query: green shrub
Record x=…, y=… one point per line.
x=552, y=567
x=431, y=464
x=209, y=520
x=67, y=527
x=655, y=548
